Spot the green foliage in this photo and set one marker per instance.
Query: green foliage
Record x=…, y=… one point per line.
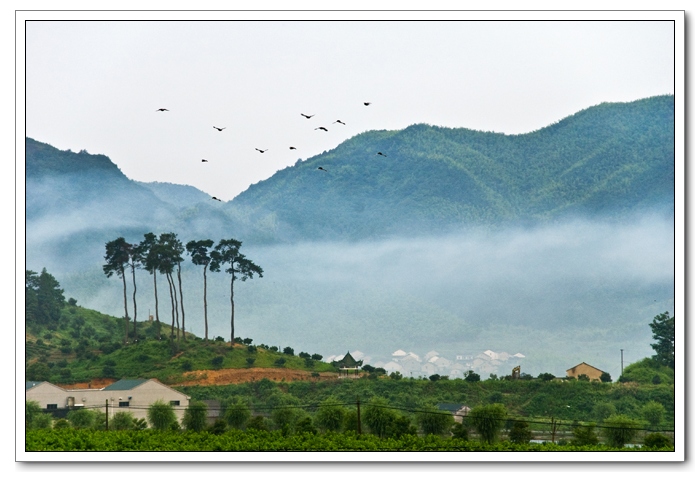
x=330, y=415
x=288, y=350
x=195, y=417
x=619, y=430
x=584, y=434
x=663, y=328
x=378, y=417
x=657, y=440
x=237, y=414
x=603, y=410
x=161, y=415
x=646, y=371
x=488, y=420
x=520, y=433
x=605, y=377
x=44, y=300
x=654, y=413
x=433, y=421
x=217, y=362
x=84, y=418
x=122, y=421
x=472, y=376
x=264, y=441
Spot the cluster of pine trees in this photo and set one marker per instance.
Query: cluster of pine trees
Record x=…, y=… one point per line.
x=164, y=254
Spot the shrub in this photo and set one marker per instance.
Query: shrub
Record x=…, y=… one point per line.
x=250, y=361
x=316, y=357
x=217, y=362
x=433, y=421
x=122, y=421
x=619, y=430
x=252, y=349
x=280, y=361
x=83, y=418
x=654, y=413
x=520, y=433
x=195, y=417
x=584, y=434
x=657, y=441
x=258, y=423
x=330, y=415
x=488, y=420
x=161, y=415
x=186, y=365
x=237, y=414
x=218, y=427
x=303, y=354
x=472, y=376
x=288, y=350
x=61, y=424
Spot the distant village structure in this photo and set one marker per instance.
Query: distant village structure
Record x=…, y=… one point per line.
x=410, y=364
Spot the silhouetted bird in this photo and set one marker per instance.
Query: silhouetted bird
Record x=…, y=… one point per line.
x=339, y=122
x=322, y=128
x=260, y=150
x=367, y=103
x=160, y=110
x=381, y=154
x=292, y=147
x=204, y=160
x=322, y=169
x=308, y=116
x=216, y=198
x=219, y=128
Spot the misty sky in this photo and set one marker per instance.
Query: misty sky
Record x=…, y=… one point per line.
x=96, y=85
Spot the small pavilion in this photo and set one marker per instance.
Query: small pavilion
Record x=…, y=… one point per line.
x=348, y=367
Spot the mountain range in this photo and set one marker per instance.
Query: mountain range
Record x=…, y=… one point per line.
x=610, y=165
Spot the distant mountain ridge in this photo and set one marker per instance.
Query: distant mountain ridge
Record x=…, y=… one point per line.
x=606, y=160
x=609, y=160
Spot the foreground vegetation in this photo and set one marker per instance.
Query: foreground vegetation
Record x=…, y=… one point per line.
x=255, y=440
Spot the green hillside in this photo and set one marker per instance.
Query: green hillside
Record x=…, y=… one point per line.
x=66, y=343
x=608, y=160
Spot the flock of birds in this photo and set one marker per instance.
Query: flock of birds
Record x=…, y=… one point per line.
x=262, y=151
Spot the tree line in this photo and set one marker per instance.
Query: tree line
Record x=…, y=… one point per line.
x=164, y=254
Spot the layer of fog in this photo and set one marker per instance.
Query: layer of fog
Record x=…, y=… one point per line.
x=559, y=294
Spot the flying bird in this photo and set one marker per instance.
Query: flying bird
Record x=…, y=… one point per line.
x=160, y=110
x=216, y=198
x=219, y=128
x=322, y=169
x=381, y=154
x=322, y=128
x=308, y=116
x=339, y=122
x=367, y=103
x=292, y=147
x=204, y=160
x=260, y=150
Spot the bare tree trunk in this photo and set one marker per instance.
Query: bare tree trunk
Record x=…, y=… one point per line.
x=182, y=300
x=172, y=307
x=232, y=310
x=206, y=321
x=126, y=311
x=133, y=277
x=155, y=290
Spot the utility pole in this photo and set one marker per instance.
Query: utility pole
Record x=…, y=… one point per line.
x=622, y=366
x=106, y=414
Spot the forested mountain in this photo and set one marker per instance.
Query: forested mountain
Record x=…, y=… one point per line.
x=453, y=240
x=607, y=160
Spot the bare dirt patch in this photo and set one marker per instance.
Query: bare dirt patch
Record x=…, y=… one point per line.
x=228, y=376
x=96, y=383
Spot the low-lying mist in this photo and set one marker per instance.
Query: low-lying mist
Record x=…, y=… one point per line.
x=560, y=294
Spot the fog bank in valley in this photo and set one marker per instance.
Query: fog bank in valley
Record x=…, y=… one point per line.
x=559, y=294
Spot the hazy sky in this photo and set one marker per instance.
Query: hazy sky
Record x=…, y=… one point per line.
x=96, y=85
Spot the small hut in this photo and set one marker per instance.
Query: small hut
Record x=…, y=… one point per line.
x=348, y=367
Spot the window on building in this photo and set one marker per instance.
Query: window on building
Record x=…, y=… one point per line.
x=52, y=406
x=175, y=403
x=123, y=404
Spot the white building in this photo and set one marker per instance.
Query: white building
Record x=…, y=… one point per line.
x=134, y=396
